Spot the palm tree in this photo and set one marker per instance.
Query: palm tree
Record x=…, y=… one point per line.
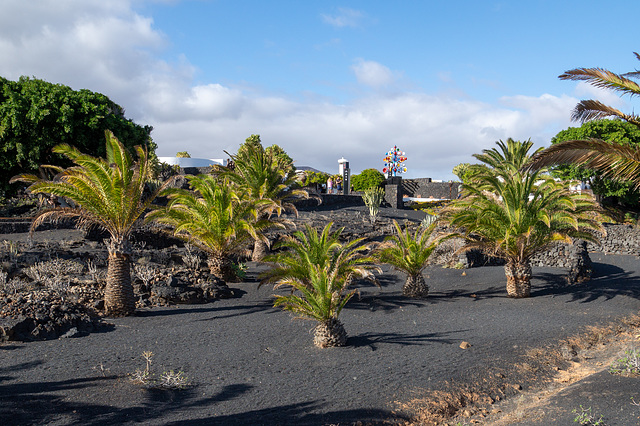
x=260, y=176
x=105, y=193
x=615, y=160
x=322, y=298
x=513, y=214
x=212, y=217
x=321, y=268
x=410, y=254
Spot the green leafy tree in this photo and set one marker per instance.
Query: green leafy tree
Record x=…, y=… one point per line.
x=606, y=130
x=260, y=177
x=410, y=253
x=281, y=158
x=314, y=178
x=513, y=214
x=614, y=160
x=321, y=268
x=108, y=194
x=36, y=115
x=368, y=178
x=212, y=217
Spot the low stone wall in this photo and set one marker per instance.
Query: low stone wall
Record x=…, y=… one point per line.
x=425, y=188
x=620, y=239
x=329, y=200
x=574, y=257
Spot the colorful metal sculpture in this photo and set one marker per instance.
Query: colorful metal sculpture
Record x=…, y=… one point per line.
x=394, y=162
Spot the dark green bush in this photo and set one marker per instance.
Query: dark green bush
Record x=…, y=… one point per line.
x=369, y=178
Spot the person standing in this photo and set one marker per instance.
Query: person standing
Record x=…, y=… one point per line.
x=329, y=186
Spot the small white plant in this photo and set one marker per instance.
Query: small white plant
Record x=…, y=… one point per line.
x=171, y=380
x=191, y=259
x=630, y=364
x=93, y=270
x=144, y=272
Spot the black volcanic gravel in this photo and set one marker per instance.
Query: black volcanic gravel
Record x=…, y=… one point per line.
x=251, y=363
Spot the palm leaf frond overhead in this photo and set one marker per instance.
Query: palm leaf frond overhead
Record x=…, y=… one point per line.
x=603, y=79
x=614, y=160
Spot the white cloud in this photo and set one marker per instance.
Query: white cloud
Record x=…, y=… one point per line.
x=372, y=74
x=106, y=47
x=344, y=18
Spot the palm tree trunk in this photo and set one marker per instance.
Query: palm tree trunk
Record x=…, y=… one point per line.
x=260, y=250
x=518, y=278
x=415, y=286
x=119, y=298
x=330, y=333
x=220, y=267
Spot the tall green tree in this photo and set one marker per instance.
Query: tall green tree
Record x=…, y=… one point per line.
x=606, y=130
x=36, y=115
x=513, y=214
x=263, y=177
x=107, y=193
x=614, y=160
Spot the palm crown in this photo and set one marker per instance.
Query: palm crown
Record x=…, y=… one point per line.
x=303, y=249
x=406, y=252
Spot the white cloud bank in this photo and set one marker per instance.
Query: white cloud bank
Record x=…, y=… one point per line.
x=107, y=47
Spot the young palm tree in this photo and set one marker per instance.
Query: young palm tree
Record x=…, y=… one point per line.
x=108, y=194
x=615, y=160
x=322, y=296
x=261, y=177
x=513, y=214
x=212, y=217
x=410, y=254
x=304, y=249
x=321, y=268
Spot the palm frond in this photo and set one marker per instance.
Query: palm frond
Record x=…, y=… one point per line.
x=614, y=160
x=588, y=110
x=604, y=79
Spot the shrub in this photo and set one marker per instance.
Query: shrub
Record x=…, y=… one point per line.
x=368, y=178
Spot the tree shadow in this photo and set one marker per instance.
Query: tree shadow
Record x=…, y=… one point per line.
x=372, y=339
x=608, y=281
x=236, y=311
x=383, y=302
x=7, y=347
x=53, y=401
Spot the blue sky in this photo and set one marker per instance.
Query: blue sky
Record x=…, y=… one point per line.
x=328, y=79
